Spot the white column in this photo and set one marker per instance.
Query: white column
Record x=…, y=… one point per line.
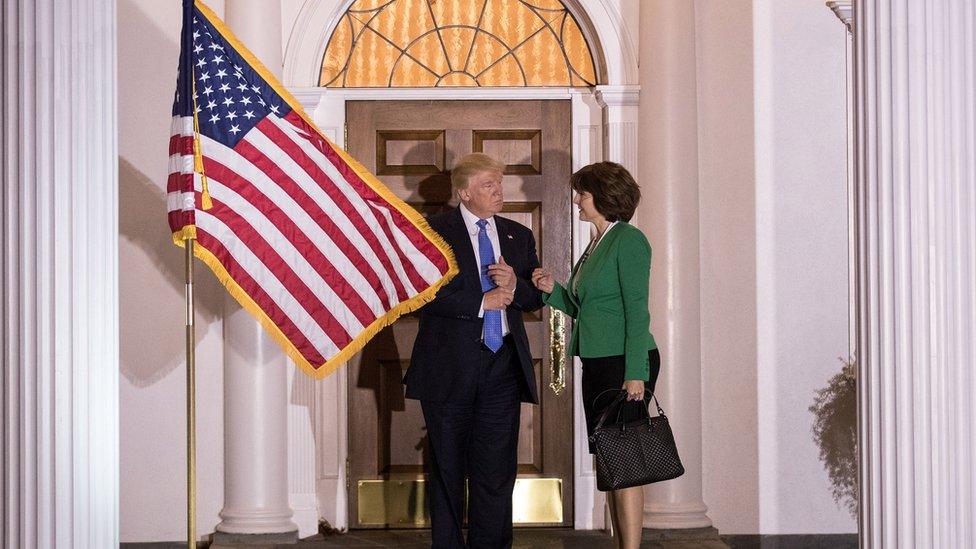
x=668, y=212
x=916, y=175
x=255, y=430
x=60, y=275
x=256, y=503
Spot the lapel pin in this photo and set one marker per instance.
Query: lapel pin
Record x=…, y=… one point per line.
x=510, y=237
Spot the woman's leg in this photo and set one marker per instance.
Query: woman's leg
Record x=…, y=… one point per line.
x=615, y=528
x=627, y=511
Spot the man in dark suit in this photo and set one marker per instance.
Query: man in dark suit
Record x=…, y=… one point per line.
x=471, y=366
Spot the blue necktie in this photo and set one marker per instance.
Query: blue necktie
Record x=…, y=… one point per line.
x=493, y=319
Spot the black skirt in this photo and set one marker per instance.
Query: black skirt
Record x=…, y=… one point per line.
x=607, y=374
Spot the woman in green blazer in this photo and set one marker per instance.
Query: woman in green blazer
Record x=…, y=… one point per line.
x=607, y=296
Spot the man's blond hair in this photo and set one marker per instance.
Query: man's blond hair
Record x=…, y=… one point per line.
x=471, y=164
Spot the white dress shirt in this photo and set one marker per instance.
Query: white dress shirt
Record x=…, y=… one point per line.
x=471, y=224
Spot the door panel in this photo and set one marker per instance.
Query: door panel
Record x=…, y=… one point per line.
x=411, y=146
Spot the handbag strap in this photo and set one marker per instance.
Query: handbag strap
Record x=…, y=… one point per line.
x=648, y=396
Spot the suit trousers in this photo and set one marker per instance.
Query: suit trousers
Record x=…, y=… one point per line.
x=474, y=435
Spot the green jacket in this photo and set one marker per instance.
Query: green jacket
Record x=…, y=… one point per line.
x=610, y=303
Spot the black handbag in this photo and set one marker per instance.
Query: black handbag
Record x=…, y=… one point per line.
x=637, y=452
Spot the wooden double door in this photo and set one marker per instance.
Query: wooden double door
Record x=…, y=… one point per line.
x=411, y=146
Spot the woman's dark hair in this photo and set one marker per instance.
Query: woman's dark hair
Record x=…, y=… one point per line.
x=615, y=193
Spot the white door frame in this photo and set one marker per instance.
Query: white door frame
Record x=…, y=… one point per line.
x=604, y=128
x=327, y=107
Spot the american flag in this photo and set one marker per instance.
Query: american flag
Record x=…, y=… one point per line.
x=304, y=237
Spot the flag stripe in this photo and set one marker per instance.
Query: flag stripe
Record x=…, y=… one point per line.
x=272, y=218
x=243, y=278
x=253, y=256
x=275, y=273
x=320, y=206
x=322, y=229
x=254, y=180
x=419, y=241
x=311, y=162
x=358, y=191
x=281, y=257
x=181, y=144
x=328, y=172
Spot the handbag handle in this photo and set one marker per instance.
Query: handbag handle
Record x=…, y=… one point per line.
x=648, y=395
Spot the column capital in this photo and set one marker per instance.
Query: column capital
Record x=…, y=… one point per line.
x=618, y=96
x=844, y=10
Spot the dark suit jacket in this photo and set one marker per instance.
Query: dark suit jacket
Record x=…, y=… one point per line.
x=447, y=351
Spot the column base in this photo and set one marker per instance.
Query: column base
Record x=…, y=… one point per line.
x=676, y=516
x=251, y=523
x=225, y=540
x=705, y=538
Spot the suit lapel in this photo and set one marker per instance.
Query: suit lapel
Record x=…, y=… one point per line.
x=460, y=240
x=589, y=271
x=506, y=241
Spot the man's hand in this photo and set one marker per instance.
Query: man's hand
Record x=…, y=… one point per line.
x=502, y=274
x=542, y=279
x=497, y=299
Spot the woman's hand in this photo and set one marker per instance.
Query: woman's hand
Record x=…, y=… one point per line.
x=634, y=388
x=542, y=279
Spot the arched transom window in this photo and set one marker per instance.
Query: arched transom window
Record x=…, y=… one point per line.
x=428, y=43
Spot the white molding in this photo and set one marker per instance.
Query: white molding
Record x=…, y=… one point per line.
x=308, y=40
x=618, y=96
x=588, y=502
x=60, y=394
x=331, y=435
x=917, y=261
x=844, y=10
x=302, y=412
x=620, y=132
x=314, y=95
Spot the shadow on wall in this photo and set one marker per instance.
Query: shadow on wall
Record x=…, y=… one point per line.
x=835, y=432
x=142, y=223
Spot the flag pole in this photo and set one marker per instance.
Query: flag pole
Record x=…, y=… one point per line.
x=191, y=439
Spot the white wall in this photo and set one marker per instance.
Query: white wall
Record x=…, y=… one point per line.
x=152, y=386
x=801, y=254
x=726, y=153
x=772, y=131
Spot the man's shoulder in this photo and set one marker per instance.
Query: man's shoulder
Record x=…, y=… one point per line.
x=513, y=227
x=441, y=220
